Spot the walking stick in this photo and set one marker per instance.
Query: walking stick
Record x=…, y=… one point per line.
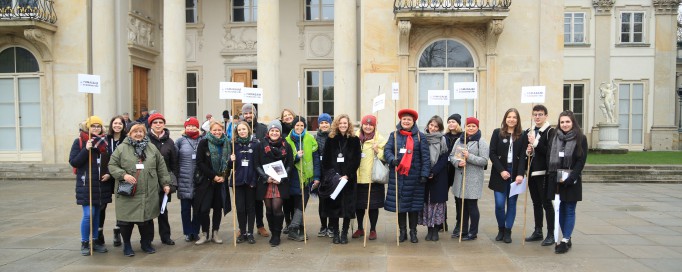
x=300, y=170
x=464, y=184
x=234, y=187
x=395, y=168
x=90, y=187
x=525, y=200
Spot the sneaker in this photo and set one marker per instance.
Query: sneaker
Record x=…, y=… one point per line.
x=372, y=235
x=250, y=238
x=358, y=233
x=561, y=248
x=241, y=239
x=99, y=248
x=85, y=248
x=322, y=232
x=330, y=233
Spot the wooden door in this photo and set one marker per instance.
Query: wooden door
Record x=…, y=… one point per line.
x=240, y=76
x=140, y=90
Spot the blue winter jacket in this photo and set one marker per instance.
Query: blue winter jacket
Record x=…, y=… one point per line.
x=410, y=189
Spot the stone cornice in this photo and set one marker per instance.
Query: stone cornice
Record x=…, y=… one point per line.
x=668, y=7
x=603, y=7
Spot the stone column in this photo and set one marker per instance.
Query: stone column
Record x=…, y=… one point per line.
x=104, y=58
x=602, y=60
x=267, y=58
x=404, y=28
x=663, y=127
x=345, y=59
x=174, y=66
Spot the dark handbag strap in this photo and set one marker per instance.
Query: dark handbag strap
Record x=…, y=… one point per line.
x=137, y=173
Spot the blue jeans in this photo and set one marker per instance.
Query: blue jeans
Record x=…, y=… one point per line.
x=567, y=217
x=190, y=222
x=85, y=222
x=505, y=220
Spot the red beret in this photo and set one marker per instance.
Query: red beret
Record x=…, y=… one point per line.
x=369, y=120
x=472, y=120
x=192, y=121
x=156, y=116
x=410, y=112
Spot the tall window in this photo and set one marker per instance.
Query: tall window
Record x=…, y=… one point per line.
x=192, y=94
x=244, y=11
x=319, y=10
x=319, y=95
x=631, y=113
x=191, y=11
x=574, y=27
x=574, y=96
x=20, y=111
x=632, y=27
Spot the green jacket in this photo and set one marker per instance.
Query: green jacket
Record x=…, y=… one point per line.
x=145, y=204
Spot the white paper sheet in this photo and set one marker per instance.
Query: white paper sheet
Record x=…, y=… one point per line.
x=338, y=189
x=564, y=175
x=275, y=170
x=517, y=189
x=164, y=202
x=556, y=202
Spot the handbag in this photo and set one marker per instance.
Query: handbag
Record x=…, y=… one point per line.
x=128, y=189
x=379, y=171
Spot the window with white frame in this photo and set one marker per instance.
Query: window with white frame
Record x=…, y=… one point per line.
x=631, y=113
x=244, y=11
x=191, y=11
x=632, y=27
x=574, y=27
x=319, y=95
x=319, y=10
x=192, y=93
x=574, y=98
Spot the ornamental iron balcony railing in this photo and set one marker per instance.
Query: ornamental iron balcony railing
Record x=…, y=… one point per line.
x=450, y=5
x=39, y=10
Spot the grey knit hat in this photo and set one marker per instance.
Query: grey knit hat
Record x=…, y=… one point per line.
x=275, y=124
x=248, y=107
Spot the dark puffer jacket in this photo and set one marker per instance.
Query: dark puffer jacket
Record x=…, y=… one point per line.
x=166, y=146
x=187, y=147
x=410, y=190
x=101, y=191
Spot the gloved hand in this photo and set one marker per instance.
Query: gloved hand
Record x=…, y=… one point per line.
x=423, y=180
x=396, y=162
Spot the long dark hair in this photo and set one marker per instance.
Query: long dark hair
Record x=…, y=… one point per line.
x=111, y=132
x=517, y=128
x=576, y=129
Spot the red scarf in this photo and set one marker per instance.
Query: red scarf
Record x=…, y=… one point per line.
x=406, y=161
x=192, y=134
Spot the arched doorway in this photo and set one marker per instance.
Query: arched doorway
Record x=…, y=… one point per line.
x=441, y=64
x=20, y=109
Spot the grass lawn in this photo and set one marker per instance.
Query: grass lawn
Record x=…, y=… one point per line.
x=638, y=157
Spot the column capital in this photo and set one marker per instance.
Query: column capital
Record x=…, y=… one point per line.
x=404, y=38
x=603, y=7
x=666, y=7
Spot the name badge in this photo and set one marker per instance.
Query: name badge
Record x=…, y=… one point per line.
x=194, y=156
x=448, y=158
x=245, y=163
x=99, y=160
x=320, y=157
x=340, y=159
x=561, y=154
x=403, y=150
x=362, y=155
x=139, y=166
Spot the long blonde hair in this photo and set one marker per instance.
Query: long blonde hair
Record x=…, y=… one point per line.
x=335, y=126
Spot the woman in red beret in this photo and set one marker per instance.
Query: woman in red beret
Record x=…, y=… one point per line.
x=159, y=135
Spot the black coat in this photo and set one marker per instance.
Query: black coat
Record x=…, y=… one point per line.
x=349, y=147
x=538, y=161
x=263, y=157
x=437, y=186
x=450, y=139
x=203, y=190
x=572, y=188
x=101, y=191
x=245, y=175
x=499, y=148
x=169, y=151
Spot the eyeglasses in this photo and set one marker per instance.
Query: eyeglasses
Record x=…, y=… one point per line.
x=538, y=114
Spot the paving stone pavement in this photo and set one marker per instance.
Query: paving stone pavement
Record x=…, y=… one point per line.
x=620, y=227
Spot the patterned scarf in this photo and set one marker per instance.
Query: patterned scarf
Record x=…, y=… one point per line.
x=139, y=146
x=276, y=149
x=99, y=141
x=564, y=140
x=219, y=150
x=405, y=163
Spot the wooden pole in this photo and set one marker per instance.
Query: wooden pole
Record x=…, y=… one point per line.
x=395, y=168
x=300, y=170
x=464, y=184
x=90, y=185
x=525, y=200
x=234, y=186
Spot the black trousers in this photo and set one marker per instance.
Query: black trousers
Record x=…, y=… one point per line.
x=146, y=230
x=538, y=193
x=458, y=207
x=288, y=207
x=164, y=226
x=102, y=215
x=258, y=206
x=471, y=217
x=245, y=200
x=402, y=218
x=217, y=206
x=334, y=224
x=373, y=218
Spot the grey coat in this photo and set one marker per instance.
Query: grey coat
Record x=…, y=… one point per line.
x=475, y=175
x=186, y=148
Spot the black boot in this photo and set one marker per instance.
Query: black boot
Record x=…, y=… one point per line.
x=147, y=247
x=343, y=239
x=434, y=236
x=100, y=237
x=403, y=235
x=535, y=236
x=276, y=229
x=429, y=234
x=549, y=240
x=455, y=232
x=413, y=236
x=500, y=234
x=507, y=236
x=117, y=237
x=336, y=239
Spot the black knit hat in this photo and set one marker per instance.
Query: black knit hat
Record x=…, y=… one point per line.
x=456, y=117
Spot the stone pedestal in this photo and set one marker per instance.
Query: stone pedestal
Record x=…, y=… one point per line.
x=608, y=136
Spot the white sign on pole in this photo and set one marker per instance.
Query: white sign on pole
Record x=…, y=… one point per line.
x=252, y=95
x=231, y=90
x=439, y=97
x=89, y=83
x=395, y=91
x=533, y=94
x=465, y=90
x=379, y=103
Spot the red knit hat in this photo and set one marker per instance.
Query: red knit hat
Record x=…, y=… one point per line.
x=156, y=116
x=369, y=120
x=472, y=120
x=192, y=121
x=410, y=112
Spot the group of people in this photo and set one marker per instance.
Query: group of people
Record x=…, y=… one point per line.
x=336, y=163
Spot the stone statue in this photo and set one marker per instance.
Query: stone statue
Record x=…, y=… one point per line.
x=608, y=97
